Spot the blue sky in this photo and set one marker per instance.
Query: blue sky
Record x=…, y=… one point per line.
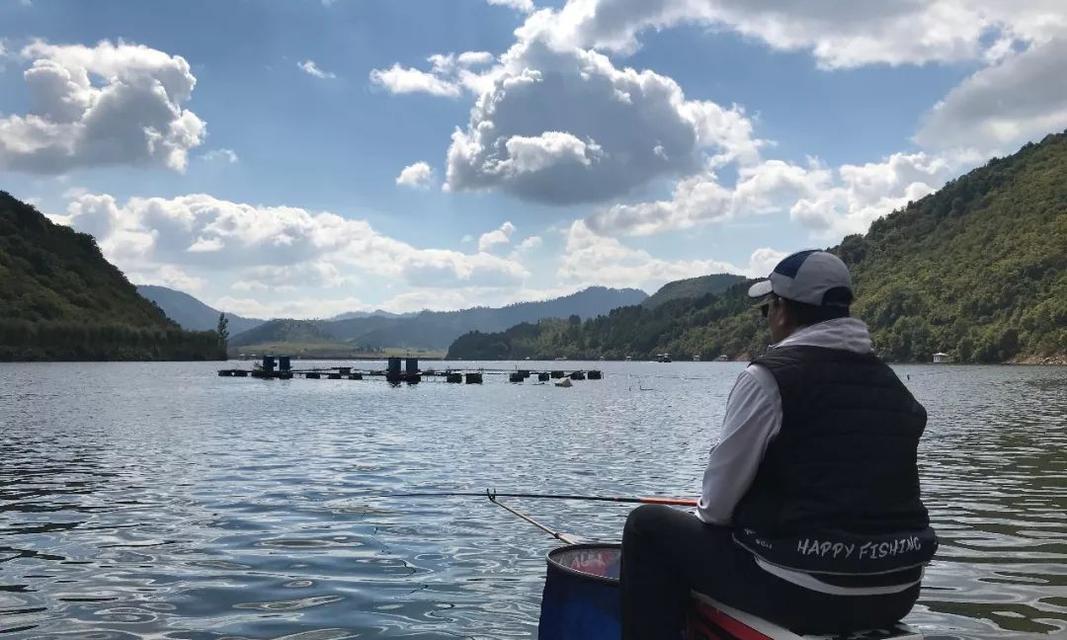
x=254, y=153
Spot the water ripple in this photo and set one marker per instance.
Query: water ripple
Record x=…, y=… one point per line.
x=158, y=501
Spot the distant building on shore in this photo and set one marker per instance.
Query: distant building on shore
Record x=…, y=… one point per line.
x=942, y=358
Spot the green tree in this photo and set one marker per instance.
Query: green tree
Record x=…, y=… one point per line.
x=224, y=332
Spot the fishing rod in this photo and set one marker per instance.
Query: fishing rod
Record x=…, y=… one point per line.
x=562, y=537
x=678, y=502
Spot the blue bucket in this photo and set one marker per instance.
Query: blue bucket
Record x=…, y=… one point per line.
x=581, y=598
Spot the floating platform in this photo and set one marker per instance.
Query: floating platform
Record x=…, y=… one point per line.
x=280, y=368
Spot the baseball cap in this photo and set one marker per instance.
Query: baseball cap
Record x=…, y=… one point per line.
x=811, y=277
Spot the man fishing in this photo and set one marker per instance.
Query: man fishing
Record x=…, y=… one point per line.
x=810, y=514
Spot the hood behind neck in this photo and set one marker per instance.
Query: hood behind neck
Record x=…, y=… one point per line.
x=850, y=334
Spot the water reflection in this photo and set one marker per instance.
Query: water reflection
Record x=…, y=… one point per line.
x=156, y=500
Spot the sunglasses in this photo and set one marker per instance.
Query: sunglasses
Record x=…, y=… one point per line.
x=765, y=309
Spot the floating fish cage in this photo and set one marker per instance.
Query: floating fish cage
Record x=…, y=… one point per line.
x=398, y=370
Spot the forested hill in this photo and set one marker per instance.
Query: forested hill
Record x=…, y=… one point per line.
x=692, y=288
x=61, y=300
x=977, y=270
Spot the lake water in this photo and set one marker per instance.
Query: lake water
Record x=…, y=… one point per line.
x=159, y=500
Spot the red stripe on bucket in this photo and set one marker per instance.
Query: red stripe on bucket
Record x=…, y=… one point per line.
x=740, y=630
x=724, y=623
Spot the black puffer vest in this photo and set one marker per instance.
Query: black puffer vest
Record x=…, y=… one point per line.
x=838, y=488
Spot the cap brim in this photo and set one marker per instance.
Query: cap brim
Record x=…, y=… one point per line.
x=760, y=289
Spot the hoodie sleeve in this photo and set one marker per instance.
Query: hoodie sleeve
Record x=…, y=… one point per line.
x=753, y=418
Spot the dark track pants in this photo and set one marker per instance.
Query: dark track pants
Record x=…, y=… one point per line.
x=667, y=552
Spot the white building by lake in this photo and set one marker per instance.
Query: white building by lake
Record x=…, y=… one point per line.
x=941, y=358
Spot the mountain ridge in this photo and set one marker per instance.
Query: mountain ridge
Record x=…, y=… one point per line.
x=190, y=312
x=61, y=300
x=977, y=269
x=692, y=288
x=434, y=329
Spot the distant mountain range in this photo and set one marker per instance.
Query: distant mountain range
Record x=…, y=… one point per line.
x=977, y=270
x=61, y=300
x=434, y=330
x=692, y=288
x=349, y=315
x=370, y=331
x=191, y=313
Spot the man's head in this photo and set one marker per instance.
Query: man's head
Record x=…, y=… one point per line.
x=805, y=288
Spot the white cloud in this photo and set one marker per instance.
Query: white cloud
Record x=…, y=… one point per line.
x=416, y=176
x=449, y=76
x=830, y=202
x=269, y=244
x=225, y=156
x=528, y=244
x=552, y=96
x=770, y=186
x=168, y=276
x=309, y=67
x=474, y=58
x=860, y=194
x=1019, y=99
x=564, y=125
x=530, y=154
x=108, y=104
x=591, y=259
x=525, y=6
x=315, y=273
x=464, y=298
x=398, y=79
x=496, y=237
x=290, y=307
x=763, y=261
x=838, y=35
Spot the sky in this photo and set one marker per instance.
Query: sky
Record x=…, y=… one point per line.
x=312, y=157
